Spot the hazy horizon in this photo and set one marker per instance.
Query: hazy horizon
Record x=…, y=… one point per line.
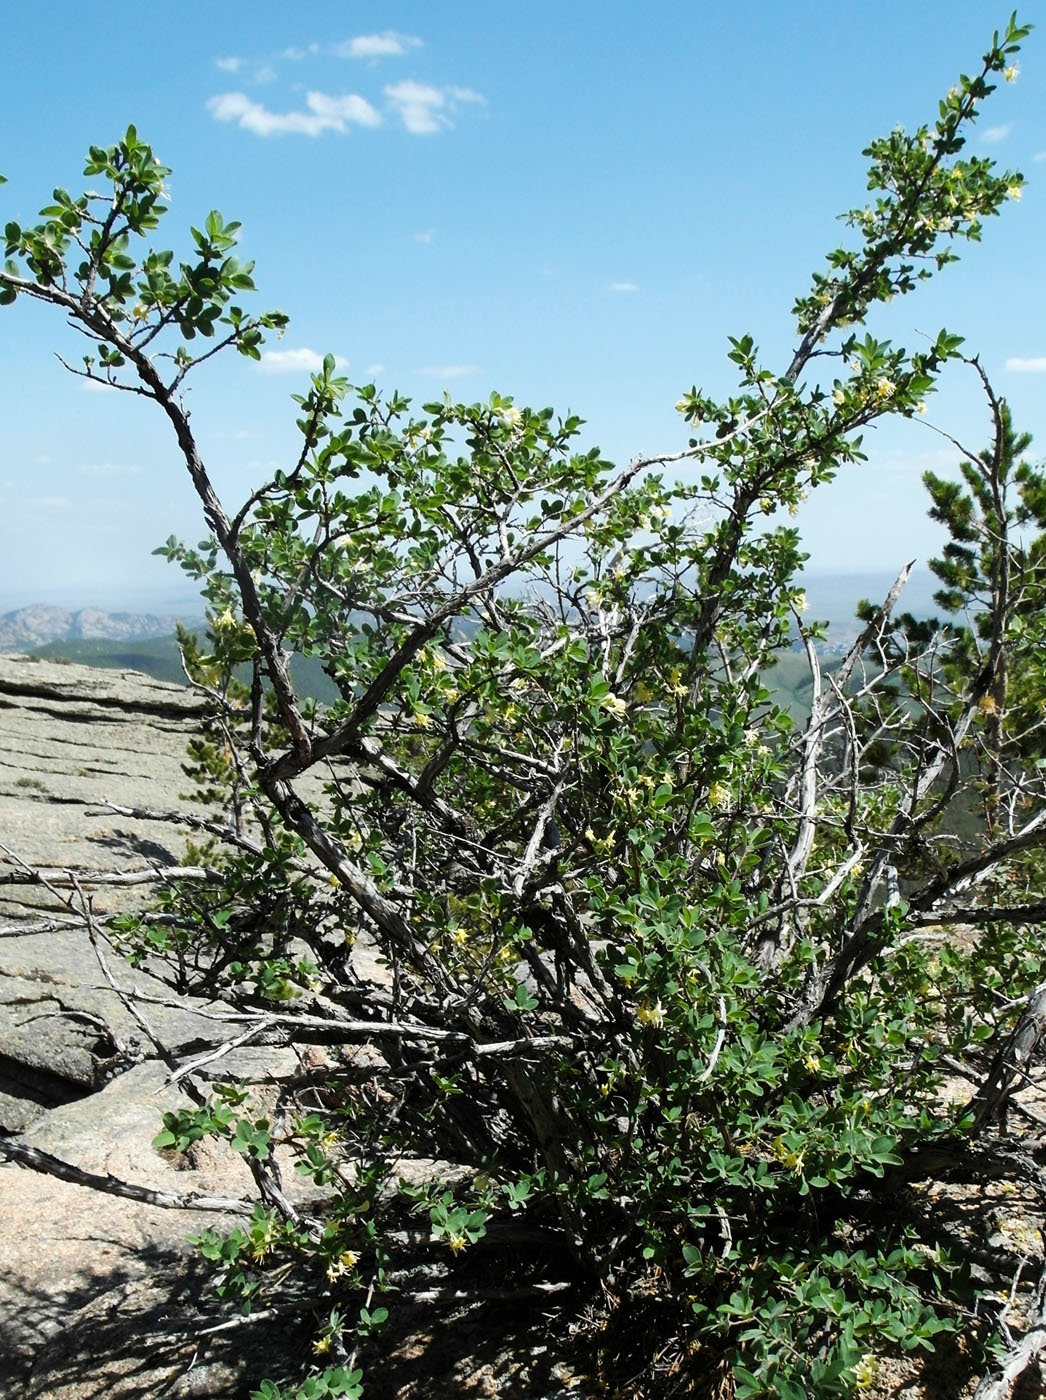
x=830, y=593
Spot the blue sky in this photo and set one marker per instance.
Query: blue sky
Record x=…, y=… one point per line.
x=572, y=203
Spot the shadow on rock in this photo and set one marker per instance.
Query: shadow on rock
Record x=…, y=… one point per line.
x=141, y=1332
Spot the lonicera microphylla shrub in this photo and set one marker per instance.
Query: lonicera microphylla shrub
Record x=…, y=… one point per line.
x=624, y=944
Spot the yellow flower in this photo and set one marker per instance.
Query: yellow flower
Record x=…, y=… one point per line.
x=813, y=1064
x=839, y=397
x=1013, y=192
x=335, y=1269
x=349, y=1259
x=920, y=407
x=866, y=1372
x=1012, y=73
x=334, y=882
x=651, y=1014
x=459, y=936
x=799, y=602
x=885, y=388
x=614, y=705
x=643, y=693
x=719, y=796
x=422, y=719
x=986, y=705
x=322, y=1346
x=787, y=1157
x=458, y=1244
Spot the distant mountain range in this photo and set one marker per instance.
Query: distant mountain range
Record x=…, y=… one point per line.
x=35, y=626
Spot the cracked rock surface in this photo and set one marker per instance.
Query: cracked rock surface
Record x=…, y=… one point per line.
x=96, y=1292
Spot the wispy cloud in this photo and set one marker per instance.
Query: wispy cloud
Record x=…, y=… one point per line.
x=229, y=65
x=449, y=371
x=423, y=108
x=623, y=287
x=292, y=361
x=323, y=113
x=1039, y=155
x=97, y=386
x=373, y=371
x=51, y=502
x=425, y=236
x=387, y=45
x=108, y=469
x=994, y=134
x=1018, y=365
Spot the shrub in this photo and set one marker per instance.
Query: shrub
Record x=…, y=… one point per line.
x=647, y=975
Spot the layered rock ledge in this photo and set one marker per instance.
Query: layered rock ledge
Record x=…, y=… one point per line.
x=96, y=1292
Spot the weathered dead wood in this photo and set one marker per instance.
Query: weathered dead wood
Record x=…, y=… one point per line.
x=39, y=1161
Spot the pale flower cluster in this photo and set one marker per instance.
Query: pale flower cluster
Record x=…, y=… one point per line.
x=719, y=796
x=651, y=1013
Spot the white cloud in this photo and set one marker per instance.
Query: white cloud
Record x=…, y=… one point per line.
x=997, y=133
x=623, y=287
x=1036, y=365
x=290, y=361
x=423, y=108
x=387, y=45
x=1039, y=155
x=229, y=65
x=98, y=386
x=374, y=370
x=425, y=237
x=449, y=371
x=325, y=113
x=295, y=361
x=265, y=74
x=108, y=469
